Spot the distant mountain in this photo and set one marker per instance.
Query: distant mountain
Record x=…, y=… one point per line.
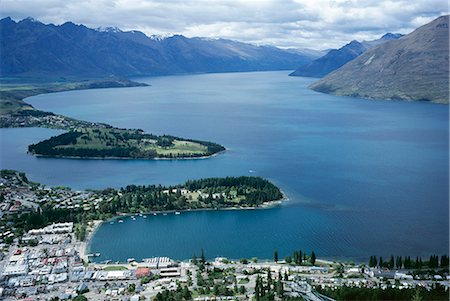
x=336, y=58
x=414, y=67
x=31, y=48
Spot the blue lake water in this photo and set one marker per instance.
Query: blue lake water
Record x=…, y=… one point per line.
x=363, y=177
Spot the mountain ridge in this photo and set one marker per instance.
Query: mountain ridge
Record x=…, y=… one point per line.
x=30, y=47
x=336, y=58
x=414, y=67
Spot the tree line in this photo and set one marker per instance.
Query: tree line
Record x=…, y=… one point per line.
x=365, y=294
x=267, y=289
x=409, y=263
x=297, y=258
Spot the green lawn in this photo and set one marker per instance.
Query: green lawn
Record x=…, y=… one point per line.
x=115, y=268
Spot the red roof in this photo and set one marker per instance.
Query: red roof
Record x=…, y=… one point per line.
x=142, y=272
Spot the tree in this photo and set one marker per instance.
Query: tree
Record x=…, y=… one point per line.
x=400, y=263
x=202, y=257
x=79, y=298
x=444, y=261
x=391, y=263
x=340, y=269
x=258, y=288
x=275, y=256
x=417, y=296
x=373, y=261
x=313, y=258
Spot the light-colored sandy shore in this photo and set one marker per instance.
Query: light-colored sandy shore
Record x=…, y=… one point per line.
x=82, y=246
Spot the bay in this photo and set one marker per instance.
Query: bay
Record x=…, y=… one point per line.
x=363, y=177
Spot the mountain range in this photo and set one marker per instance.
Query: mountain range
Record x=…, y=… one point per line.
x=31, y=48
x=414, y=67
x=336, y=58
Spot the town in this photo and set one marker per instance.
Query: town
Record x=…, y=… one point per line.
x=51, y=263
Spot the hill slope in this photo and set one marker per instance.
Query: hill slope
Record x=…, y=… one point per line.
x=414, y=67
x=336, y=58
x=31, y=48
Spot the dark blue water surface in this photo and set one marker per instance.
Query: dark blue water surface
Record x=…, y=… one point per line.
x=363, y=177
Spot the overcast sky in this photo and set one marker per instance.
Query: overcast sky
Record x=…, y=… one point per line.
x=316, y=24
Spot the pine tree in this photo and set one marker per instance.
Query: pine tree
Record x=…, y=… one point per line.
x=444, y=261
x=313, y=258
x=295, y=257
x=391, y=263
x=269, y=280
x=417, y=296
x=202, y=257
x=258, y=288
x=371, y=261
x=275, y=256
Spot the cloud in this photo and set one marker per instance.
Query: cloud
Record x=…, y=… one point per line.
x=318, y=24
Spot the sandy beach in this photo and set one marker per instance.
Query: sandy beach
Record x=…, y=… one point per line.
x=82, y=246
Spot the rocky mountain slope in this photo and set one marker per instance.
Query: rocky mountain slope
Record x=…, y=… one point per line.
x=414, y=67
x=336, y=58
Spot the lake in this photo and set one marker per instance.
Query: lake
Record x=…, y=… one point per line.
x=363, y=177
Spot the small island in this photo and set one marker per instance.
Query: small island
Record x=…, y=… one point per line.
x=121, y=143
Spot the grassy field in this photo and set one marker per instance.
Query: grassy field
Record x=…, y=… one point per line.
x=8, y=106
x=115, y=268
x=110, y=138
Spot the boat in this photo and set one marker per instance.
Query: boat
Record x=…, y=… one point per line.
x=120, y=221
x=177, y=213
x=145, y=216
x=154, y=214
x=164, y=213
x=97, y=254
x=133, y=218
x=111, y=223
x=129, y=260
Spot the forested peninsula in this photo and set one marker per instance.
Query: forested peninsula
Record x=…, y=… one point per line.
x=60, y=204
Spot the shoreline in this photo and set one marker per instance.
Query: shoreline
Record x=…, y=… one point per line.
x=84, y=245
x=127, y=158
